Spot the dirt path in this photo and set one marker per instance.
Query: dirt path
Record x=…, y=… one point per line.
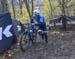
x=60, y=46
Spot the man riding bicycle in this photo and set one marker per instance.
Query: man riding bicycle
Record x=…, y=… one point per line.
x=39, y=18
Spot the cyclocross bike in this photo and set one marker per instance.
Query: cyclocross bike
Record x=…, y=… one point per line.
x=29, y=36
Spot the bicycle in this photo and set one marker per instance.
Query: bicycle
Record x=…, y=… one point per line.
x=28, y=38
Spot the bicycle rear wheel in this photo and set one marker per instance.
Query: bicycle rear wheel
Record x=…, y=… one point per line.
x=24, y=42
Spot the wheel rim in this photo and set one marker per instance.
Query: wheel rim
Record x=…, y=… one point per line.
x=24, y=42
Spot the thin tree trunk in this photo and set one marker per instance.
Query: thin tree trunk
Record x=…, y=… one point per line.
x=52, y=13
x=3, y=6
x=67, y=9
x=32, y=6
x=27, y=7
x=20, y=4
x=51, y=9
x=13, y=9
x=64, y=21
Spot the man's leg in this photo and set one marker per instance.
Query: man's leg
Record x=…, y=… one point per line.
x=42, y=36
x=45, y=34
x=42, y=28
x=46, y=37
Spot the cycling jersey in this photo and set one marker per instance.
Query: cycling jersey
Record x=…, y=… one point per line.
x=41, y=21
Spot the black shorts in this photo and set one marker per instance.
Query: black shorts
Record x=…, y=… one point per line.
x=42, y=27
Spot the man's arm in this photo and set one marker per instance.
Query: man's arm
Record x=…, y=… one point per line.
x=42, y=20
x=32, y=20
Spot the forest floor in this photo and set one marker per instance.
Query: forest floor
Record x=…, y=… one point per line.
x=61, y=45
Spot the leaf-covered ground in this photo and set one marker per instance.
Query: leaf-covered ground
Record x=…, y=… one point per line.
x=60, y=46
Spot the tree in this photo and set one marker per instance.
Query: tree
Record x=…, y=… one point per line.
x=51, y=9
x=12, y=2
x=3, y=6
x=32, y=6
x=20, y=5
x=27, y=7
x=62, y=6
x=27, y=4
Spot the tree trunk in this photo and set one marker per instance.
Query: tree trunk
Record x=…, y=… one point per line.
x=3, y=6
x=52, y=13
x=32, y=6
x=13, y=9
x=64, y=21
x=67, y=11
x=20, y=4
x=28, y=8
x=51, y=9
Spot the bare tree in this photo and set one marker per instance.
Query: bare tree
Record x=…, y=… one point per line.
x=62, y=7
x=3, y=6
x=51, y=9
x=27, y=7
x=32, y=6
x=20, y=4
x=12, y=2
x=67, y=9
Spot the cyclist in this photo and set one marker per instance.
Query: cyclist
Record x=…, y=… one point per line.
x=39, y=18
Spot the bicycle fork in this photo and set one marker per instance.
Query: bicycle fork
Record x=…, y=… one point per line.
x=31, y=38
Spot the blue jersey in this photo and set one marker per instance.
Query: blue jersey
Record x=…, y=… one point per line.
x=39, y=19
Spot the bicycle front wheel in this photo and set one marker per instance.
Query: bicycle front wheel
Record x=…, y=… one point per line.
x=24, y=42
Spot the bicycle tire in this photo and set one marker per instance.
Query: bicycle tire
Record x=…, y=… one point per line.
x=24, y=42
